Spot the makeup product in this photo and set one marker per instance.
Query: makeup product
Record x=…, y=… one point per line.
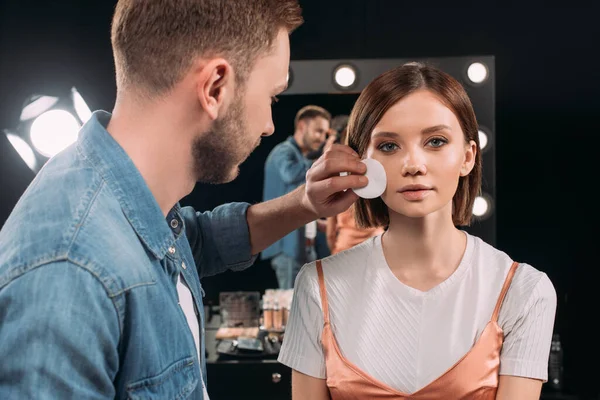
x=277, y=316
x=267, y=313
x=377, y=180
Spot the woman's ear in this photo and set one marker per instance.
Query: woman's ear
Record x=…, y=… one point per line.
x=470, y=156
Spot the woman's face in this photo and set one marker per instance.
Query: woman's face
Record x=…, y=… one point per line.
x=422, y=147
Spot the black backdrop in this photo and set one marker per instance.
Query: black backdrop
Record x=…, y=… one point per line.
x=546, y=121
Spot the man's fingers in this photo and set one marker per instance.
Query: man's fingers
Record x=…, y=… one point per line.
x=345, y=200
x=333, y=166
x=343, y=148
x=336, y=184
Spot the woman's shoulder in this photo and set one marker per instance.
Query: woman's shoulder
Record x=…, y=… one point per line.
x=354, y=258
x=342, y=264
x=527, y=282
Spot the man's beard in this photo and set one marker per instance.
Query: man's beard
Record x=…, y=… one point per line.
x=308, y=144
x=218, y=152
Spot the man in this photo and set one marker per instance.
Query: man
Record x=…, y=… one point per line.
x=100, y=268
x=285, y=171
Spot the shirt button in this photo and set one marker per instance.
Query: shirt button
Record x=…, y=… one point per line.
x=174, y=223
x=171, y=250
x=183, y=265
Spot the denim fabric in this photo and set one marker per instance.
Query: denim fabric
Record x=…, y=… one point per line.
x=88, y=272
x=285, y=170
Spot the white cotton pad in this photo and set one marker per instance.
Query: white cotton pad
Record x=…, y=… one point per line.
x=377, y=180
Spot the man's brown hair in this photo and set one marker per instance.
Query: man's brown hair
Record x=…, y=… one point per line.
x=156, y=41
x=385, y=91
x=311, y=112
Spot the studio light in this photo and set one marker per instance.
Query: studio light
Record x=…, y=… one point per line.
x=47, y=125
x=53, y=131
x=482, y=206
x=345, y=76
x=483, y=139
x=477, y=72
x=81, y=108
x=37, y=105
x=23, y=149
x=486, y=138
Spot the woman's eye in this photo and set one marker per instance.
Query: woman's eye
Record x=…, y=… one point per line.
x=387, y=147
x=437, y=142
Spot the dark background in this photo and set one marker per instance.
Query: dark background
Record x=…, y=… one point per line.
x=546, y=120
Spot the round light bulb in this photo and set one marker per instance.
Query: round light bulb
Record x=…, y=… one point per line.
x=477, y=72
x=483, y=140
x=53, y=131
x=480, y=206
x=345, y=76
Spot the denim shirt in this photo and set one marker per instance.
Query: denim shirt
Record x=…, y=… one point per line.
x=88, y=273
x=285, y=170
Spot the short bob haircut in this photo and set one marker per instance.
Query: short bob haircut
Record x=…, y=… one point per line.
x=378, y=97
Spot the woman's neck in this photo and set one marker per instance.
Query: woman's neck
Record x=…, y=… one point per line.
x=423, y=252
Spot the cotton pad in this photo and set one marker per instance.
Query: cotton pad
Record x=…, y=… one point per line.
x=377, y=180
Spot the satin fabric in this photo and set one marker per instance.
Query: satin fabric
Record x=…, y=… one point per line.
x=473, y=377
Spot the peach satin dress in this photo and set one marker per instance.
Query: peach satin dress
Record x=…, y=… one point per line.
x=473, y=377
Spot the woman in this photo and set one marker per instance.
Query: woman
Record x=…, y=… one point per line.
x=425, y=310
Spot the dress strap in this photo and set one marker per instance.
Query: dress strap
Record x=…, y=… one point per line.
x=505, y=287
x=323, y=292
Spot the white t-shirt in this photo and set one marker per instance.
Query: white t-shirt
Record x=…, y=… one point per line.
x=186, y=301
x=407, y=338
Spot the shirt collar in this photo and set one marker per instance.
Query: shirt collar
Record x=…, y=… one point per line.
x=294, y=143
x=127, y=184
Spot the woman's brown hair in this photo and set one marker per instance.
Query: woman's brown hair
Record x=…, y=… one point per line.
x=385, y=91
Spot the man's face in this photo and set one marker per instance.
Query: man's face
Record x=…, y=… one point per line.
x=234, y=136
x=314, y=132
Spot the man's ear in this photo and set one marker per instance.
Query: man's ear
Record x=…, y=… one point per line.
x=214, y=84
x=301, y=125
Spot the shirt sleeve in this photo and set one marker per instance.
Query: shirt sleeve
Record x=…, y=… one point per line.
x=291, y=170
x=60, y=334
x=528, y=337
x=301, y=348
x=219, y=239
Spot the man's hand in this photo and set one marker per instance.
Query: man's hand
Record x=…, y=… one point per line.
x=330, y=141
x=326, y=192
x=322, y=196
